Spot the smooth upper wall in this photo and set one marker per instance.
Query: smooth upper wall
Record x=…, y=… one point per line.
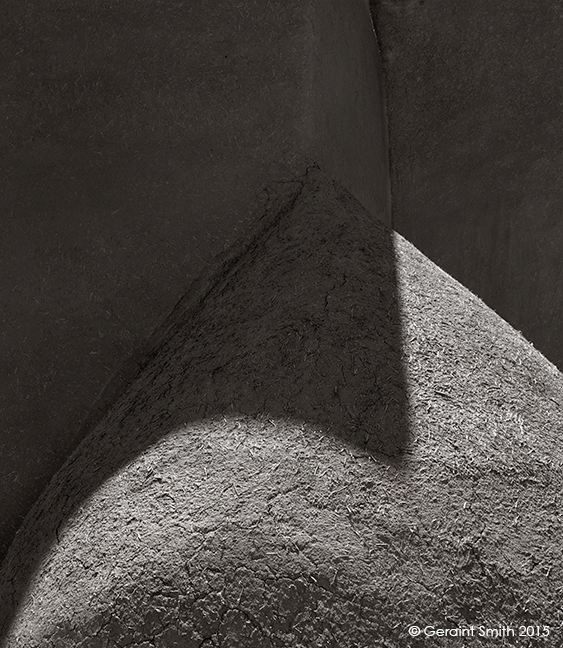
x=137, y=139
x=475, y=104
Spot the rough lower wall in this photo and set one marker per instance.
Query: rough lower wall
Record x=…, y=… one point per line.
x=475, y=99
x=137, y=140
x=265, y=483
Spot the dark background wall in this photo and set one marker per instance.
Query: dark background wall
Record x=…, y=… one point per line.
x=475, y=103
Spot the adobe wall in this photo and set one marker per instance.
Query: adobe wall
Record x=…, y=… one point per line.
x=339, y=446
x=137, y=141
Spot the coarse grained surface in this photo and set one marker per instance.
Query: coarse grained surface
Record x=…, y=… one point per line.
x=475, y=103
x=265, y=482
x=136, y=139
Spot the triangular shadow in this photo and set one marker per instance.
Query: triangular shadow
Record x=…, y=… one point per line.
x=302, y=322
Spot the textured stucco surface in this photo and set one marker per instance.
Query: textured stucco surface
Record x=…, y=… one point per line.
x=475, y=103
x=137, y=139
x=264, y=484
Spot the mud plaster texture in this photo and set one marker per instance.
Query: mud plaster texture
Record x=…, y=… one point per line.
x=334, y=441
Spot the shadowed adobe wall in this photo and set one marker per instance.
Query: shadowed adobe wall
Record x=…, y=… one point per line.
x=475, y=102
x=137, y=141
x=293, y=470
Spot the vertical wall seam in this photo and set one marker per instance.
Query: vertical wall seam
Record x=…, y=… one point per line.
x=386, y=130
